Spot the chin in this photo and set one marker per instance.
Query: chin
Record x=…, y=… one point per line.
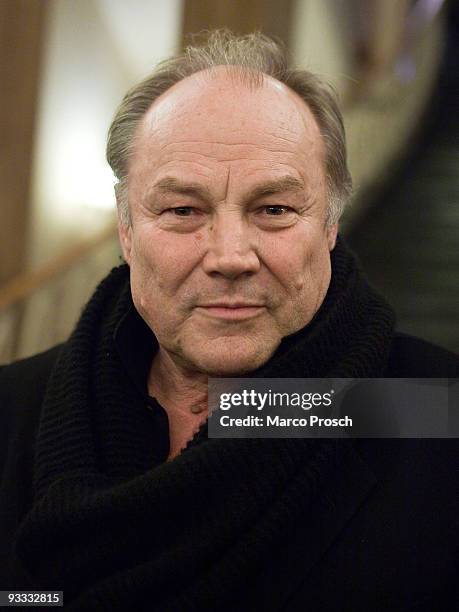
x=231, y=357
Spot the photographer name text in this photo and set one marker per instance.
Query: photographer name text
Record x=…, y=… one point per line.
x=277, y=421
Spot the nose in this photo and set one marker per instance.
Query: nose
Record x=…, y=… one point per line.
x=231, y=250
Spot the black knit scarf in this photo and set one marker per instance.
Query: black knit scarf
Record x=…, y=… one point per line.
x=115, y=532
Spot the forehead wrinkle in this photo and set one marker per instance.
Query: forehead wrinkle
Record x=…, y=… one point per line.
x=227, y=181
x=262, y=140
x=213, y=141
x=230, y=152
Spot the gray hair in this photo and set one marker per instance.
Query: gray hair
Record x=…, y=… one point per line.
x=252, y=56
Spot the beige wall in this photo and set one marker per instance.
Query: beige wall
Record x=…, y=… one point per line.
x=21, y=29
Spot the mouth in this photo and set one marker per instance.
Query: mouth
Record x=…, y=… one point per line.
x=233, y=312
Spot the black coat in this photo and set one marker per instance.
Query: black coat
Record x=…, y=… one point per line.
x=387, y=538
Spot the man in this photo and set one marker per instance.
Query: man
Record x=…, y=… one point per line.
x=232, y=178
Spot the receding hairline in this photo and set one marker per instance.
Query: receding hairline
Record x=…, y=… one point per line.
x=239, y=75
x=245, y=77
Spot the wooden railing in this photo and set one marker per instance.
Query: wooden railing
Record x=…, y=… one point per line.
x=25, y=284
x=39, y=308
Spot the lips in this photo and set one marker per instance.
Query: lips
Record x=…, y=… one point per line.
x=231, y=305
x=235, y=311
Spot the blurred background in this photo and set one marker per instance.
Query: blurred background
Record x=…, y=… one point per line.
x=65, y=65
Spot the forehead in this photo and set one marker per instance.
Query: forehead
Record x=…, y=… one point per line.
x=216, y=117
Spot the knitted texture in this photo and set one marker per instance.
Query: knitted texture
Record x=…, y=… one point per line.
x=115, y=531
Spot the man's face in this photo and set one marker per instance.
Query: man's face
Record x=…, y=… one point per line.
x=228, y=247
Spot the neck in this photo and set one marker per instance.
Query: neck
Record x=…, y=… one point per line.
x=183, y=395
x=175, y=386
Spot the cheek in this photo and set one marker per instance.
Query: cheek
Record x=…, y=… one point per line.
x=317, y=274
x=164, y=260
x=301, y=263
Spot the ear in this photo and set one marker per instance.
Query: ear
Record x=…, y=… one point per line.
x=125, y=235
x=332, y=233
x=124, y=225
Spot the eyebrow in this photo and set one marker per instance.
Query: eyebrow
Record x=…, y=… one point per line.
x=279, y=185
x=170, y=184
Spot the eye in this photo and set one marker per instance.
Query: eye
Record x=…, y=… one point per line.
x=276, y=211
x=181, y=211
x=275, y=216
